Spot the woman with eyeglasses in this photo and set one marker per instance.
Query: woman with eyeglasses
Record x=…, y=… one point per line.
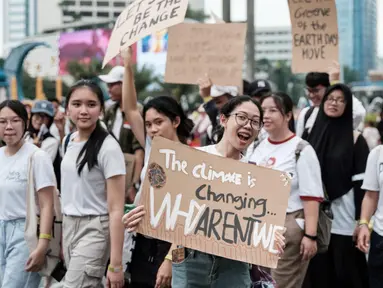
x=241, y=119
x=19, y=267
x=342, y=154
x=278, y=152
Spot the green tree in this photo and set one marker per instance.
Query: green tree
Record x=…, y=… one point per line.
x=79, y=70
x=2, y=60
x=49, y=87
x=198, y=15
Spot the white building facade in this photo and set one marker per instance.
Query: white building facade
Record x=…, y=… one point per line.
x=273, y=44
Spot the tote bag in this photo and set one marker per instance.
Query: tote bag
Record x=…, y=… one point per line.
x=32, y=229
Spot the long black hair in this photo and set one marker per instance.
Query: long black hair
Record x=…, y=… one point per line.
x=284, y=104
x=19, y=108
x=89, y=153
x=230, y=107
x=170, y=108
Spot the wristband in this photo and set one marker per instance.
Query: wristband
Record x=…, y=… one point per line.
x=207, y=99
x=314, y=238
x=169, y=257
x=115, y=269
x=45, y=236
x=363, y=222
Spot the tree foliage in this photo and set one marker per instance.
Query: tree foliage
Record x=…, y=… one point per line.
x=49, y=87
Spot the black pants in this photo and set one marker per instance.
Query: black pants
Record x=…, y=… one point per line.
x=342, y=266
x=375, y=261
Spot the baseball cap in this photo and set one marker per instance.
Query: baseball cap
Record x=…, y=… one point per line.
x=43, y=106
x=259, y=86
x=115, y=75
x=217, y=91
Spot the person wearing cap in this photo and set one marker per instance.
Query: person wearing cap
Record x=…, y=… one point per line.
x=258, y=89
x=215, y=97
x=118, y=126
x=38, y=133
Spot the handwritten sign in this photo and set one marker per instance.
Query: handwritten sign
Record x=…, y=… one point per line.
x=213, y=204
x=142, y=18
x=197, y=49
x=315, y=35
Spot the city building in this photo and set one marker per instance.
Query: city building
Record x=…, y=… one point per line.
x=273, y=44
x=93, y=10
x=24, y=18
x=357, y=24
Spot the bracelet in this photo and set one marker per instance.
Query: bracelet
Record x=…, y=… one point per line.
x=363, y=222
x=115, y=269
x=45, y=236
x=314, y=238
x=169, y=257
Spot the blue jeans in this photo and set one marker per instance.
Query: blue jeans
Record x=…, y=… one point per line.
x=14, y=254
x=201, y=270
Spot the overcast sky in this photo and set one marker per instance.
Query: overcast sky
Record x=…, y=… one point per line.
x=276, y=13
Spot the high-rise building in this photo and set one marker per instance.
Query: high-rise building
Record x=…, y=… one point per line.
x=273, y=44
x=24, y=18
x=357, y=24
x=95, y=10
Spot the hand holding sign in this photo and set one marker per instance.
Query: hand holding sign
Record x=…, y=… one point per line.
x=127, y=55
x=334, y=71
x=142, y=18
x=204, y=86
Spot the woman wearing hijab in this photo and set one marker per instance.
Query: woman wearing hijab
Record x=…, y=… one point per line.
x=342, y=154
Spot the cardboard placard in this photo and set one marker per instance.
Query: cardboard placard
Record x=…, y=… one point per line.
x=213, y=204
x=142, y=18
x=314, y=35
x=197, y=49
x=129, y=166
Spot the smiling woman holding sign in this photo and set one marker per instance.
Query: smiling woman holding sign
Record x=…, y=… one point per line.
x=241, y=119
x=162, y=116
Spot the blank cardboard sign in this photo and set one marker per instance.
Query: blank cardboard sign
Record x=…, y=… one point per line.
x=213, y=204
x=142, y=18
x=314, y=35
x=198, y=49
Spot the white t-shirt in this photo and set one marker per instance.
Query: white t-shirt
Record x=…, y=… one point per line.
x=49, y=145
x=117, y=124
x=372, y=136
x=306, y=174
x=343, y=209
x=212, y=149
x=86, y=194
x=14, y=179
x=373, y=181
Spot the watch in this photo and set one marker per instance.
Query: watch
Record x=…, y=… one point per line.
x=314, y=238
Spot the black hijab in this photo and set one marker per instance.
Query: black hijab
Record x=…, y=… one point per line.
x=333, y=141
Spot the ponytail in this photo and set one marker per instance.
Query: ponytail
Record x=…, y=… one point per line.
x=91, y=148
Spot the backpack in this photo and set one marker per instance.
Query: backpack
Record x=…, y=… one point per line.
x=325, y=214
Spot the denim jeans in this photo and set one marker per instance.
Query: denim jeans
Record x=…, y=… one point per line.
x=201, y=270
x=14, y=254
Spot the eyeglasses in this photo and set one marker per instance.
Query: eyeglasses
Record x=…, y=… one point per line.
x=13, y=122
x=242, y=121
x=336, y=100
